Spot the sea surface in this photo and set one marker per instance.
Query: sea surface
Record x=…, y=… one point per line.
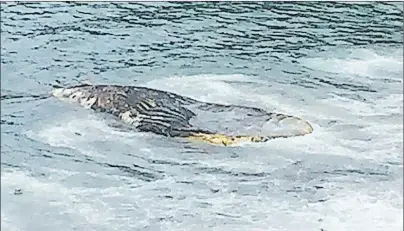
x=337, y=65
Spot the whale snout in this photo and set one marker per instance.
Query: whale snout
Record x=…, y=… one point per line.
x=71, y=92
x=58, y=92
x=66, y=93
x=82, y=95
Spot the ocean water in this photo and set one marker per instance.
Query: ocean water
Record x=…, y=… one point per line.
x=337, y=65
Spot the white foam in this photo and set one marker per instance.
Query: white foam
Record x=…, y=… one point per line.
x=361, y=62
x=202, y=87
x=353, y=210
x=7, y=224
x=81, y=132
x=87, y=208
x=56, y=195
x=343, y=126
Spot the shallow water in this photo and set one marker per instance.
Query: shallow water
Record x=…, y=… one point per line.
x=337, y=65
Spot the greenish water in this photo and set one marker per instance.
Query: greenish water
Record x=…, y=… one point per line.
x=337, y=65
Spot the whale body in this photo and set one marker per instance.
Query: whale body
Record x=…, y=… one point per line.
x=170, y=114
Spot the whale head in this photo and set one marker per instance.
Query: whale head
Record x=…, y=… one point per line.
x=104, y=98
x=82, y=94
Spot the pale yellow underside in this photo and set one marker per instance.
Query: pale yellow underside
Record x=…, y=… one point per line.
x=219, y=139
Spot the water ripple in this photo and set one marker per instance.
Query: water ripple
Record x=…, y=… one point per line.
x=336, y=64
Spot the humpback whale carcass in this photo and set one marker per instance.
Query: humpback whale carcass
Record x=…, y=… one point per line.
x=173, y=115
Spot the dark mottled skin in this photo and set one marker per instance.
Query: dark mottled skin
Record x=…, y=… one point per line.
x=176, y=115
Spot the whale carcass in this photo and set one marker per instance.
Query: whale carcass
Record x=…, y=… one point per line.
x=169, y=114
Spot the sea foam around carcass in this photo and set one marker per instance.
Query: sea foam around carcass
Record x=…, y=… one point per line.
x=344, y=126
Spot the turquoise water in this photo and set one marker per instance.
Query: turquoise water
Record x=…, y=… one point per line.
x=337, y=65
